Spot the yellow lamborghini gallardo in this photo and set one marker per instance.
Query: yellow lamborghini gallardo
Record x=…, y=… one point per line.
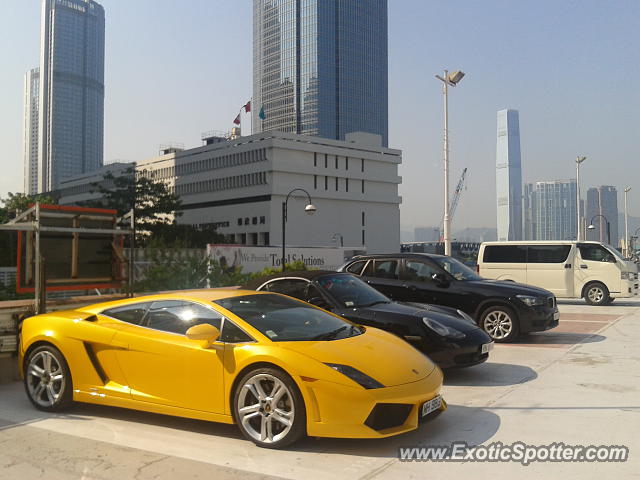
x=277, y=367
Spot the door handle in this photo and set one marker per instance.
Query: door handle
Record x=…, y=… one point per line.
x=567, y=265
x=583, y=266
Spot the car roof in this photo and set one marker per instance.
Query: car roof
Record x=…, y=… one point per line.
x=396, y=255
x=306, y=274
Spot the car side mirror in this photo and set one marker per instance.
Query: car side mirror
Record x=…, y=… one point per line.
x=440, y=279
x=205, y=332
x=319, y=302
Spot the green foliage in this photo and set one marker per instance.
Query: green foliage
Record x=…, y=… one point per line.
x=9, y=293
x=296, y=266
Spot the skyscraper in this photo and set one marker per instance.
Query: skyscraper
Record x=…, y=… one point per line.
x=30, y=131
x=555, y=210
x=602, y=200
x=508, y=176
x=71, y=91
x=529, y=212
x=320, y=67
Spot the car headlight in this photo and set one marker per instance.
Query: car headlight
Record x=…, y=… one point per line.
x=441, y=329
x=356, y=375
x=530, y=300
x=626, y=276
x=467, y=317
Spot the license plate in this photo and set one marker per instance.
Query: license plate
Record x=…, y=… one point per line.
x=486, y=348
x=431, y=406
x=556, y=316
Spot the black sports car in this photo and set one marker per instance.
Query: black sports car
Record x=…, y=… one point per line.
x=448, y=336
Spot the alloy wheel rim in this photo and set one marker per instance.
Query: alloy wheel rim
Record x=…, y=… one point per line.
x=596, y=294
x=45, y=379
x=265, y=408
x=498, y=324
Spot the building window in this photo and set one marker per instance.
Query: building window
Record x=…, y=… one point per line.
x=266, y=238
x=315, y=182
x=326, y=182
x=363, y=219
x=254, y=220
x=336, y=162
x=363, y=185
x=239, y=221
x=362, y=237
x=362, y=165
x=262, y=220
x=246, y=221
x=315, y=159
x=336, y=184
x=346, y=163
x=346, y=184
x=326, y=160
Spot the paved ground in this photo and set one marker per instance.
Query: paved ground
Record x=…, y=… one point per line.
x=577, y=384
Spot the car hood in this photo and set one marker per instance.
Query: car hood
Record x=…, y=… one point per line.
x=445, y=315
x=509, y=288
x=381, y=355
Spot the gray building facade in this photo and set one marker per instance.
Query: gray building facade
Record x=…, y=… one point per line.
x=71, y=91
x=602, y=200
x=555, y=210
x=320, y=67
x=508, y=176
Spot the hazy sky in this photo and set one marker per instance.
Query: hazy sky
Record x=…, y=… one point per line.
x=572, y=68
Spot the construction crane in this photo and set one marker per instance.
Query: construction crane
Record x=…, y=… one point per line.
x=456, y=195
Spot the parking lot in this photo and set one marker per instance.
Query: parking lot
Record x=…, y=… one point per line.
x=577, y=384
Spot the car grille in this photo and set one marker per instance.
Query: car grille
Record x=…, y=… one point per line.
x=388, y=415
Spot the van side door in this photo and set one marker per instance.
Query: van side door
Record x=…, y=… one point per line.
x=551, y=267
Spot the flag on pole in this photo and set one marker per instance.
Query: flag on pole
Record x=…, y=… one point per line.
x=247, y=106
x=237, y=120
x=261, y=114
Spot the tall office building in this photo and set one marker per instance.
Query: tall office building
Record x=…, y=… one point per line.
x=320, y=67
x=30, y=131
x=529, y=212
x=71, y=96
x=555, y=210
x=602, y=200
x=508, y=176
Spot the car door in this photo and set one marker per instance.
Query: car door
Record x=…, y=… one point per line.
x=550, y=267
x=163, y=366
x=384, y=275
x=417, y=282
x=596, y=263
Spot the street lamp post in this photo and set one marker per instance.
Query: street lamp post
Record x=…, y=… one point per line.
x=449, y=79
x=593, y=227
x=335, y=238
x=626, y=223
x=310, y=209
x=579, y=160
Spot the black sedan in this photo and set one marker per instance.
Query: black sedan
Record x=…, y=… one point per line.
x=448, y=336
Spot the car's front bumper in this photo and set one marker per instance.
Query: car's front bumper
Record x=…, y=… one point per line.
x=459, y=353
x=538, y=318
x=338, y=411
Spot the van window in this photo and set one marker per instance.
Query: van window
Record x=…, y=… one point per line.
x=595, y=253
x=548, y=253
x=356, y=267
x=505, y=254
x=385, y=269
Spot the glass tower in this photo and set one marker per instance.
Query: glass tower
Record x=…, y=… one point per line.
x=30, y=131
x=555, y=210
x=508, y=176
x=602, y=202
x=71, y=101
x=320, y=67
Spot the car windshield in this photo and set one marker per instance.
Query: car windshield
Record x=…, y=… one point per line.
x=456, y=269
x=284, y=319
x=350, y=291
x=616, y=253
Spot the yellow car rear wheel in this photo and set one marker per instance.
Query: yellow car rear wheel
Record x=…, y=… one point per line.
x=269, y=408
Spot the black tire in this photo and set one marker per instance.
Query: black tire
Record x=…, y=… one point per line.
x=260, y=411
x=596, y=293
x=47, y=379
x=501, y=323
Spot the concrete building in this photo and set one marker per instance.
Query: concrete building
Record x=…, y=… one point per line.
x=529, y=212
x=320, y=67
x=238, y=185
x=555, y=210
x=81, y=189
x=71, y=91
x=508, y=176
x=30, y=130
x=602, y=200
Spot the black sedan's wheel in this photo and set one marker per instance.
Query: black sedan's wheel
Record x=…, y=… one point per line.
x=47, y=379
x=501, y=323
x=597, y=293
x=269, y=408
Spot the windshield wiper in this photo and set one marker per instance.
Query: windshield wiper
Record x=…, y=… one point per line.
x=377, y=302
x=331, y=334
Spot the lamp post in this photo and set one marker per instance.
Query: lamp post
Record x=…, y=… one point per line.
x=579, y=161
x=449, y=79
x=632, y=241
x=593, y=227
x=626, y=223
x=310, y=209
x=335, y=239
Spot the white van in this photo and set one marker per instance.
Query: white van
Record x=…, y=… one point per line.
x=569, y=269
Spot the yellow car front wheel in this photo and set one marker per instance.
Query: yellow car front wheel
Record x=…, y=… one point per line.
x=47, y=379
x=269, y=408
